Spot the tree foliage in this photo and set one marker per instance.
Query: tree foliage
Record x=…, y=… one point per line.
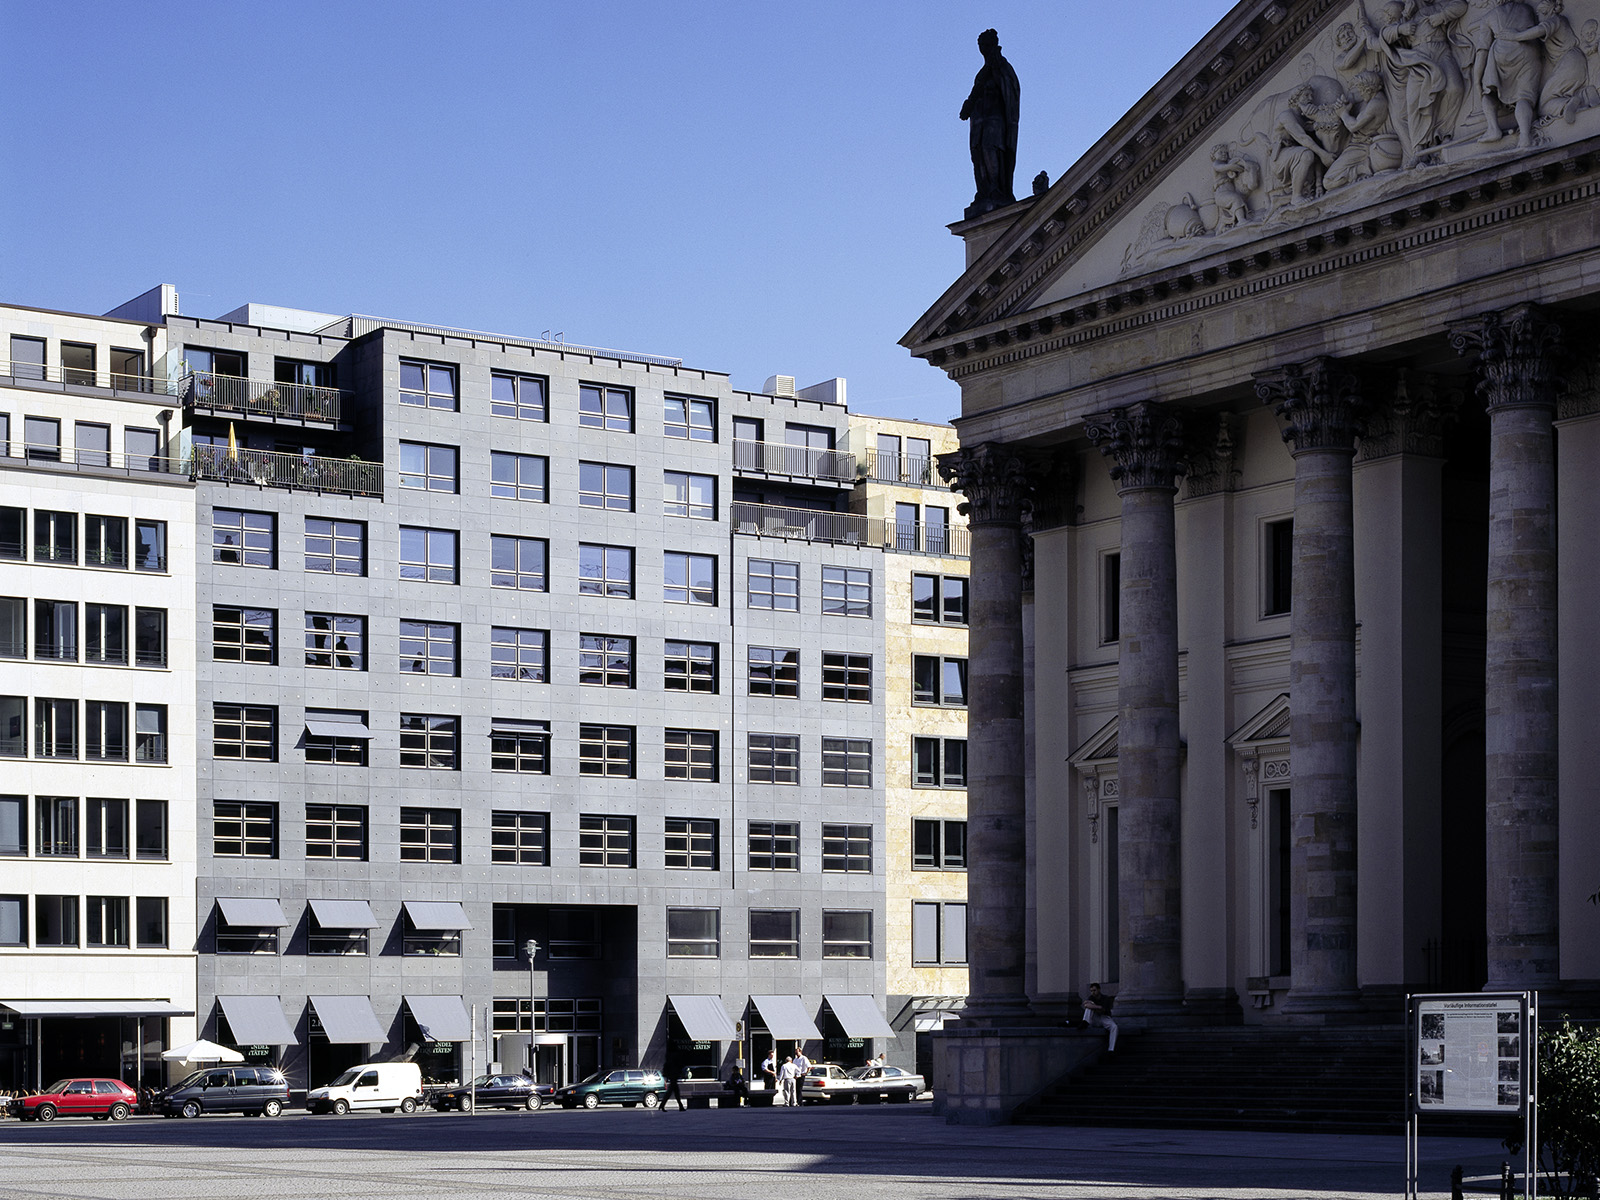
x=1569, y=1107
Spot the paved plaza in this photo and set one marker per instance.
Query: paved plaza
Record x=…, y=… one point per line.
x=903, y=1152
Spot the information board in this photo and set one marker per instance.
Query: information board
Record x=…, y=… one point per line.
x=1471, y=1053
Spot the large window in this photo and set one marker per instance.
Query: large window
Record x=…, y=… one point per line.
x=847, y=677
x=335, y=939
x=13, y=826
x=601, y=407
x=55, y=630
x=105, y=541
x=105, y=827
x=774, y=758
x=1277, y=555
x=150, y=545
x=690, y=579
x=56, y=826
x=150, y=733
x=105, y=730
x=336, y=831
x=105, y=634
x=14, y=627
x=417, y=941
x=336, y=641
x=429, y=468
x=55, y=728
x=427, y=385
x=774, y=933
x=774, y=672
x=244, y=539
x=938, y=680
x=336, y=547
x=774, y=585
x=939, y=762
x=244, y=939
x=519, y=654
x=518, y=562
x=244, y=731
x=846, y=934
x=430, y=835
x=606, y=750
x=430, y=648
x=774, y=845
x=605, y=571
x=686, y=495
x=605, y=485
x=846, y=762
x=938, y=934
x=150, y=829
x=690, y=754
x=428, y=555
x=14, y=726
x=244, y=829
x=336, y=737
x=519, y=476
x=605, y=841
x=693, y=933
x=847, y=849
x=939, y=599
x=519, y=746
x=150, y=922
x=429, y=743
x=847, y=591
x=150, y=637
x=55, y=920
x=939, y=845
x=13, y=920
x=575, y=933
x=605, y=661
x=521, y=397
x=520, y=837
x=691, y=418
x=244, y=635
x=690, y=667
x=691, y=844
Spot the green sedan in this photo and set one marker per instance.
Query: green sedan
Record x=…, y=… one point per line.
x=626, y=1088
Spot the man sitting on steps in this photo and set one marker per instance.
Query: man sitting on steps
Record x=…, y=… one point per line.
x=1097, y=1012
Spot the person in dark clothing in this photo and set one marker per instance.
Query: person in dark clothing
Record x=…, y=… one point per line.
x=1097, y=1013
x=736, y=1084
x=673, y=1092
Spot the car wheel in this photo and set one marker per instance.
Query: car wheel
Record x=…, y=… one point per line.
x=271, y=1108
x=340, y=1107
x=465, y=1103
x=191, y=1108
x=118, y=1112
x=45, y=1112
x=589, y=1101
x=534, y=1102
x=408, y=1106
x=651, y=1099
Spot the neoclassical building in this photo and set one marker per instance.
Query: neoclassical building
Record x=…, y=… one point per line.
x=1280, y=418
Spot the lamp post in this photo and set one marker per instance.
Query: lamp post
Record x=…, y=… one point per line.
x=532, y=949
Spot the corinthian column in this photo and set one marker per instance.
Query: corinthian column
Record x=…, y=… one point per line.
x=1144, y=444
x=1321, y=414
x=995, y=481
x=1517, y=352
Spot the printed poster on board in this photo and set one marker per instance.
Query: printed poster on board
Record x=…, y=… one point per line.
x=1470, y=1053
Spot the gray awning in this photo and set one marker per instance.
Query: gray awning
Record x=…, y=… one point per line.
x=332, y=725
x=704, y=1019
x=348, y=1019
x=860, y=1016
x=344, y=914
x=785, y=1017
x=437, y=914
x=96, y=1008
x=257, y=1021
x=441, y=1018
x=253, y=912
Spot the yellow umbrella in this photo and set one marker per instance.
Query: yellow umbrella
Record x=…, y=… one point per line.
x=233, y=443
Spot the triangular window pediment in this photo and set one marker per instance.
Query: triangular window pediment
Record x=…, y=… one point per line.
x=1268, y=727
x=1098, y=749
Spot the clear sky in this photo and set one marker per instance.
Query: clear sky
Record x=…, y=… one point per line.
x=757, y=188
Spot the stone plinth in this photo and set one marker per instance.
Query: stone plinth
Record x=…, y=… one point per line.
x=982, y=1076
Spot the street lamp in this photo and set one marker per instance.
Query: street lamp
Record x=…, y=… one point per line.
x=531, y=948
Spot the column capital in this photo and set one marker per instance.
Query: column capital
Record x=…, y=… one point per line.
x=1420, y=409
x=1519, y=353
x=995, y=480
x=1318, y=402
x=1144, y=442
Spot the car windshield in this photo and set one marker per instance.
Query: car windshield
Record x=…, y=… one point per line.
x=57, y=1087
x=195, y=1080
x=347, y=1078
x=861, y=1072
x=480, y=1081
x=597, y=1077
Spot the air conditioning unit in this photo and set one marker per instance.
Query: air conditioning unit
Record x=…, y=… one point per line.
x=779, y=385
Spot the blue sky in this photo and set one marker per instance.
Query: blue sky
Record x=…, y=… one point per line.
x=753, y=187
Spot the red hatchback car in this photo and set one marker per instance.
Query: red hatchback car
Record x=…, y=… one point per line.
x=98, y=1098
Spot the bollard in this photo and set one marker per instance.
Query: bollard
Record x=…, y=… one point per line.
x=1455, y=1185
x=1505, y=1182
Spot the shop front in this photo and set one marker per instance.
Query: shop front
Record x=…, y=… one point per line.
x=849, y=1024
x=45, y=1040
x=697, y=1029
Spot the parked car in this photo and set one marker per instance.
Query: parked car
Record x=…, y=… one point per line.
x=614, y=1087
x=384, y=1086
x=102, y=1099
x=828, y=1083
x=259, y=1091
x=493, y=1091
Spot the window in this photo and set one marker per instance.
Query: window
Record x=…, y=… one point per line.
x=105, y=730
x=919, y=460
x=141, y=448
x=574, y=933
x=605, y=841
x=429, y=743
x=518, y=396
x=936, y=680
x=520, y=837
x=939, y=762
x=336, y=641
x=846, y=762
x=150, y=829
x=150, y=733
x=336, y=737
x=13, y=826
x=430, y=835
x=429, y=648
x=13, y=536
x=1111, y=597
x=336, y=547
x=55, y=920
x=846, y=592
x=602, y=485
x=429, y=468
x=27, y=357
x=105, y=634
x=601, y=407
x=939, y=845
x=774, y=933
x=150, y=637
x=774, y=672
x=244, y=829
x=690, y=754
x=55, y=728
x=301, y=374
x=105, y=827
x=42, y=439
x=91, y=442
x=847, y=677
x=774, y=585
x=691, y=844
x=244, y=635
x=693, y=496
x=690, y=579
x=428, y=555
x=415, y=941
x=774, y=846
x=77, y=363
x=774, y=758
x=605, y=661
x=334, y=939
x=905, y=527
x=105, y=541
x=846, y=934
x=106, y=920
x=56, y=826
x=150, y=922
x=939, y=599
x=936, y=530
x=847, y=848
x=55, y=536
x=691, y=667
x=336, y=831
x=1278, y=555
x=690, y=418
x=247, y=732
x=427, y=385
x=14, y=726
x=606, y=750
x=518, y=563
x=693, y=933
x=202, y=361
x=13, y=919
x=938, y=934
x=244, y=939
x=244, y=539
x=14, y=627
x=520, y=746
x=55, y=630
x=605, y=571
x=150, y=545
x=518, y=476
x=519, y=654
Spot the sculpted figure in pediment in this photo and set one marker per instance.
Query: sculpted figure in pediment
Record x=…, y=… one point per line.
x=1425, y=38
x=1374, y=147
x=1308, y=135
x=1508, y=69
x=1566, y=91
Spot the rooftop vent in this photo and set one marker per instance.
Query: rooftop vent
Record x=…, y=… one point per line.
x=779, y=385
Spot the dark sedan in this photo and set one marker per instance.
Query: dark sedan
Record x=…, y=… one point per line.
x=493, y=1091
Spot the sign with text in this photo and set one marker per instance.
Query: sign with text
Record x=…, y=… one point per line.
x=1471, y=1053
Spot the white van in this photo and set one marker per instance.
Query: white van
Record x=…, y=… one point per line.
x=385, y=1086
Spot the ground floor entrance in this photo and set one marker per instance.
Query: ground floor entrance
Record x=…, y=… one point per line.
x=36, y=1051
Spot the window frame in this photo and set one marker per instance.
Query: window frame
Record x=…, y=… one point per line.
x=688, y=669
x=437, y=467
x=506, y=477
x=429, y=835
x=774, y=841
x=607, y=660
x=601, y=414
x=337, y=537
x=499, y=543
x=688, y=507
x=782, y=754
x=426, y=395
x=846, y=848
x=691, y=844
x=596, y=743
x=690, y=755
x=431, y=741
x=256, y=835
x=694, y=943
x=519, y=838
x=519, y=654
x=603, y=583
x=841, y=946
x=512, y=744
x=250, y=718
x=432, y=569
x=693, y=431
x=765, y=571
x=784, y=947
x=938, y=610
x=768, y=675
x=848, y=677
x=334, y=824
x=842, y=762
x=938, y=696
x=257, y=547
x=244, y=635
x=334, y=635
x=612, y=840
x=686, y=565
x=606, y=486
x=847, y=592
x=931, y=841
x=940, y=776
x=436, y=648
x=515, y=407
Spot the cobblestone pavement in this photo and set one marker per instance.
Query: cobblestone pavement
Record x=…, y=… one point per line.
x=861, y=1153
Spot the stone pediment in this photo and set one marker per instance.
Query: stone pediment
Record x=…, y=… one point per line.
x=1098, y=748
x=1269, y=726
x=1285, y=118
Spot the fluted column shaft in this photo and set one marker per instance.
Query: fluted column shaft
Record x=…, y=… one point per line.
x=1517, y=362
x=1143, y=442
x=1321, y=415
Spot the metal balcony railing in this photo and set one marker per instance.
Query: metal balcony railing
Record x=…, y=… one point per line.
x=952, y=541
x=299, y=472
x=53, y=454
x=852, y=529
x=776, y=458
x=82, y=377
x=258, y=398
x=915, y=470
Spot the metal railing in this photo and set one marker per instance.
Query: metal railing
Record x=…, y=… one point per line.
x=105, y=461
x=952, y=541
x=258, y=398
x=915, y=470
x=299, y=472
x=81, y=377
x=777, y=458
x=851, y=529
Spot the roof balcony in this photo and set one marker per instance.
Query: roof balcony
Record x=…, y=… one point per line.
x=46, y=377
x=909, y=470
x=206, y=391
x=795, y=462
x=850, y=529
x=298, y=472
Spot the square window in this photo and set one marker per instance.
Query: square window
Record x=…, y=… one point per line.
x=606, y=750
x=521, y=397
x=605, y=661
x=244, y=635
x=692, y=496
x=774, y=933
x=337, y=737
x=428, y=385
x=846, y=592
x=518, y=562
x=429, y=468
x=519, y=654
x=522, y=747
x=846, y=762
x=774, y=845
x=846, y=934
x=693, y=933
x=105, y=730
x=774, y=585
x=55, y=920
x=575, y=933
x=690, y=754
x=336, y=831
x=601, y=407
x=415, y=941
x=691, y=667
x=430, y=835
x=519, y=476
x=938, y=762
x=520, y=837
x=429, y=648
x=938, y=680
x=244, y=829
x=336, y=547
x=691, y=418
x=429, y=743
x=939, y=845
x=939, y=599
x=336, y=641
x=605, y=841
x=55, y=728
x=244, y=939
x=847, y=849
x=428, y=555
x=605, y=571
x=335, y=939
x=245, y=732
x=603, y=485
x=244, y=539
x=847, y=677
x=691, y=844
x=774, y=758
x=690, y=579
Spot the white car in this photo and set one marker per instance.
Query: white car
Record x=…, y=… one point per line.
x=828, y=1083
x=384, y=1086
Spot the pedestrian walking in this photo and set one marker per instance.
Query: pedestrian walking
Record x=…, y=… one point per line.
x=673, y=1092
x=789, y=1083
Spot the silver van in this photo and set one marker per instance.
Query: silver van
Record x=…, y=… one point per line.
x=259, y=1091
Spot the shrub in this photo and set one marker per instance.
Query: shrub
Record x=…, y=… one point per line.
x=1569, y=1108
